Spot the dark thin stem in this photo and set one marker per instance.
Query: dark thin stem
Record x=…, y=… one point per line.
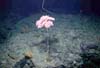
x=48, y=46
x=43, y=4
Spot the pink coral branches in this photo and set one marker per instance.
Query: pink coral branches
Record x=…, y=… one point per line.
x=45, y=21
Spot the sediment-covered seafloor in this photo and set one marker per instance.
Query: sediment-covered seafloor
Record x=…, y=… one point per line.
x=74, y=41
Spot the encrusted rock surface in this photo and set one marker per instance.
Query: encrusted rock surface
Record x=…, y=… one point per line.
x=65, y=41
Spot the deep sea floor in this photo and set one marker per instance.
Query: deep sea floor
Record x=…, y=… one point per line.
x=72, y=40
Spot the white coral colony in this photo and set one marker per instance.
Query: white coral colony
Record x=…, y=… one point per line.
x=45, y=21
